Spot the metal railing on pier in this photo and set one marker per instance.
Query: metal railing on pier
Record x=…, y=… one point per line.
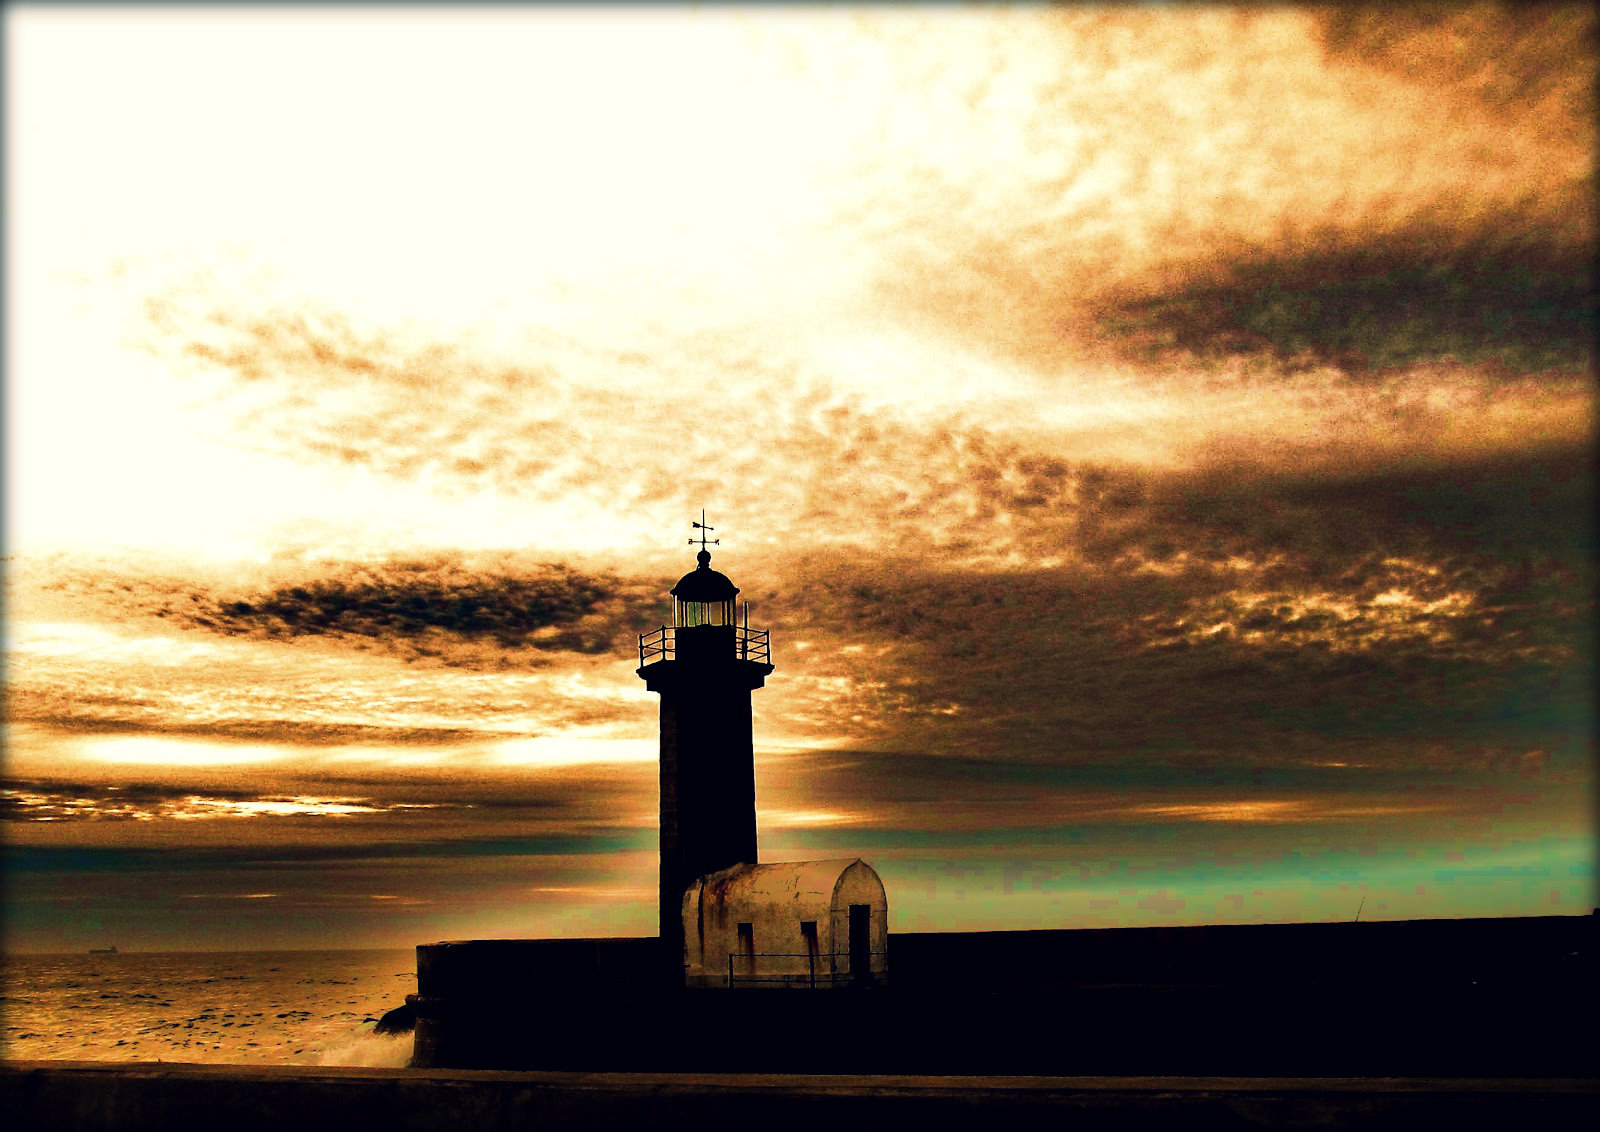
x=748, y=644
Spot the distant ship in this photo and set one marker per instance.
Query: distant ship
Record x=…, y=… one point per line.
x=102, y=950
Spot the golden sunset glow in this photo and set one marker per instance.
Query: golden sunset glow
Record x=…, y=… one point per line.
x=1157, y=439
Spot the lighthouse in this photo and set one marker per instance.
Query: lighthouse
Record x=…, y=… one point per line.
x=704, y=666
x=727, y=921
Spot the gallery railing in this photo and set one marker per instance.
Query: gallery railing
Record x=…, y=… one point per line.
x=748, y=644
x=810, y=977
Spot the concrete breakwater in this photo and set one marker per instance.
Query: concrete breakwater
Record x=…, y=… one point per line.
x=91, y=1097
x=1210, y=1032
x=1486, y=998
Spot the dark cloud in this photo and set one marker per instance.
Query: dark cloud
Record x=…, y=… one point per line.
x=1510, y=57
x=132, y=792
x=1512, y=507
x=460, y=609
x=224, y=859
x=375, y=799
x=547, y=607
x=447, y=787
x=455, y=807
x=1368, y=305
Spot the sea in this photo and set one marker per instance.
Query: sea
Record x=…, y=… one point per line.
x=240, y=1007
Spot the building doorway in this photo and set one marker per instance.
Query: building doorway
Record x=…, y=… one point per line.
x=860, y=944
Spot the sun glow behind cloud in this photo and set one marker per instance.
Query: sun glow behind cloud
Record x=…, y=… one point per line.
x=1275, y=811
x=153, y=750
x=52, y=807
x=538, y=753
x=571, y=750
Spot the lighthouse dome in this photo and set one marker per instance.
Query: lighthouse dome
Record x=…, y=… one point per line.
x=704, y=584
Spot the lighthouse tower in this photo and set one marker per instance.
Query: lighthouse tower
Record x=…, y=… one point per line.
x=704, y=666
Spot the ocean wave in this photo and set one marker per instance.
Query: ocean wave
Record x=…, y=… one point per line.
x=369, y=1049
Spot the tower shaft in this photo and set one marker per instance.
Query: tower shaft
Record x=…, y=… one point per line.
x=708, y=779
x=704, y=667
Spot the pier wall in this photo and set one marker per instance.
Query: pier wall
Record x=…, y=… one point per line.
x=1486, y=998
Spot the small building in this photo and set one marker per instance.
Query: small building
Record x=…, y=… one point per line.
x=799, y=924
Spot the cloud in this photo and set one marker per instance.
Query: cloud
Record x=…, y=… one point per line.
x=1284, y=616
x=1237, y=606
x=1381, y=304
x=1507, y=506
x=1134, y=239
x=1102, y=175
x=793, y=453
x=774, y=447
x=24, y=801
x=545, y=607
x=229, y=858
x=337, y=805
x=1528, y=61
x=454, y=608
x=113, y=715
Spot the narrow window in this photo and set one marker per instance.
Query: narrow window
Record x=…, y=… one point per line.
x=808, y=933
x=747, y=954
x=860, y=943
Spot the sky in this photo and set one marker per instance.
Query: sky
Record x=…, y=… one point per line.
x=1158, y=439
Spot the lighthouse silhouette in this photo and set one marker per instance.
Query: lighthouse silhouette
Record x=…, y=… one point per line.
x=704, y=666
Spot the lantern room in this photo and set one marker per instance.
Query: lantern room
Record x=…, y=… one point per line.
x=703, y=597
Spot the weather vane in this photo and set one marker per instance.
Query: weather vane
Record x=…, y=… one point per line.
x=702, y=528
